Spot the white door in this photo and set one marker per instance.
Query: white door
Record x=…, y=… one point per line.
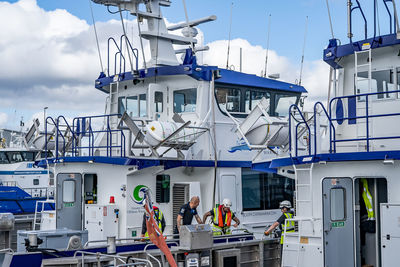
x=390, y=234
x=228, y=189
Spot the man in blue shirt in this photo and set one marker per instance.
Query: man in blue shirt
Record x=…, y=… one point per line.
x=186, y=214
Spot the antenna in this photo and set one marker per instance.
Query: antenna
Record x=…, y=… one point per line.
x=187, y=22
x=229, y=41
x=330, y=18
x=302, y=56
x=266, y=57
x=241, y=59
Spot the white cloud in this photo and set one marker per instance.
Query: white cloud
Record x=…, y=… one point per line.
x=3, y=118
x=50, y=58
x=315, y=73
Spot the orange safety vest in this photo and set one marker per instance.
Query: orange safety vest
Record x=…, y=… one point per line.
x=218, y=218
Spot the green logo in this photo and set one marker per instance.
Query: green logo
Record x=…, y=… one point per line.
x=138, y=194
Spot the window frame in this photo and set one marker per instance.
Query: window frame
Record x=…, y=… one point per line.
x=184, y=95
x=272, y=93
x=344, y=204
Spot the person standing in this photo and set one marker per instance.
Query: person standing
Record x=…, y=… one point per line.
x=285, y=207
x=186, y=214
x=159, y=218
x=222, y=218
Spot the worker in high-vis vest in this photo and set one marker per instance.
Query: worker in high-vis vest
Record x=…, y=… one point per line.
x=159, y=219
x=283, y=221
x=366, y=195
x=222, y=218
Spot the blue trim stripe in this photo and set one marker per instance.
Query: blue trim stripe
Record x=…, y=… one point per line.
x=334, y=157
x=146, y=163
x=22, y=172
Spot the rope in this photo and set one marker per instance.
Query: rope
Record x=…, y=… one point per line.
x=330, y=18
x=95, y=32
x=126, y=37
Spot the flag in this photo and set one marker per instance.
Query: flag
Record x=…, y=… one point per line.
x=155, y=233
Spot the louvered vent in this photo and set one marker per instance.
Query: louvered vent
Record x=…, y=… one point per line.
x=180, y=196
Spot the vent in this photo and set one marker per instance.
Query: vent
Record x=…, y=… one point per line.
x=180, y=196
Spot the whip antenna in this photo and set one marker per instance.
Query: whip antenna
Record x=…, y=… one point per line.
x=330, y=18
x=266, y=57
x=304, y=47
x=229, y=41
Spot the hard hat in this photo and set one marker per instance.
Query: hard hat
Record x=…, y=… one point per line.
x=227, y=203
x=285, y=204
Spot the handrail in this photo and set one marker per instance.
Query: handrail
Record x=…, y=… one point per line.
x=108, y=57
x=351, y=9
x=70, y=129
x=367, y=116
x=330, y=131
x=132, y=49
x=294, y=106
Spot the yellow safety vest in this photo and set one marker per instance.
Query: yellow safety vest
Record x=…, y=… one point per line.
x=367, y=200
x=288, y=225
x=159, y=220
x=218, y=230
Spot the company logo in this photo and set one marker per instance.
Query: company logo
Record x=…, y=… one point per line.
x=138, y=194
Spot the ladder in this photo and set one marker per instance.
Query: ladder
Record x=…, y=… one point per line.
x=113, y=98
x=304, y=212
x=361, y=89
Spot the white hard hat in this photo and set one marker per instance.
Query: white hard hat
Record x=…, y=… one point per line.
x=227, y=203
x=285, y=204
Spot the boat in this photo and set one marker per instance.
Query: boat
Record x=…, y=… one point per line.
x=176, y=129
x=347, y=177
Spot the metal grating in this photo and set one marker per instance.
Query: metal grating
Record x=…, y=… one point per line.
x=180, y=196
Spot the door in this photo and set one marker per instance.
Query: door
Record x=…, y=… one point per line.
x=338, y=221
x=390, y=234
x=69, y=201
x=228, y=189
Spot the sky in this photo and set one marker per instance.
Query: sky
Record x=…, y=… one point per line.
x=49, y=58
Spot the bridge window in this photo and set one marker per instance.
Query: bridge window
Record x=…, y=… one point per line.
x=142, y=105
x=228, y=99
x=283, y=103
x=158, y=102
x=3, y=158
x=132, y=106
x=14, y=157
x=263, y=191
x=253, y=98
x=185, y=100
x=28, y=156
x=381, y=81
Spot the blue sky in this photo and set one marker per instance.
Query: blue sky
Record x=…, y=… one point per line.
x=65, y=88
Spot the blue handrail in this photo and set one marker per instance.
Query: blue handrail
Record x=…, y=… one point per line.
x=364, y=18
x=330, y=131
x=366, y=117
x=294, y=106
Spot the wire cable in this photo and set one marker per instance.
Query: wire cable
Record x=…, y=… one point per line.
x=95, y=33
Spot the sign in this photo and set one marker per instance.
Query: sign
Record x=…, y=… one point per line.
x=337, y=224
x=134, y=233
x=138, y=194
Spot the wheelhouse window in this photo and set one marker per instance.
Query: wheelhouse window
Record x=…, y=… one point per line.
x=185, y=100
x=142, y=105
x=228, y=99
x=28, y=156
x=158, y=102
x=3, y=158
x=14, y=157
x=132, y=106
x=263, y=191
x=283, y=103
x=381, y=81
x=253, y=98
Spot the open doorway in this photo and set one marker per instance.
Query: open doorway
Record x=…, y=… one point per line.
x=369, y=194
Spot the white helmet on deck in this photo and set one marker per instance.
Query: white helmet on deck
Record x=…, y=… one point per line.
x=285, y=204
x=227, y=203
